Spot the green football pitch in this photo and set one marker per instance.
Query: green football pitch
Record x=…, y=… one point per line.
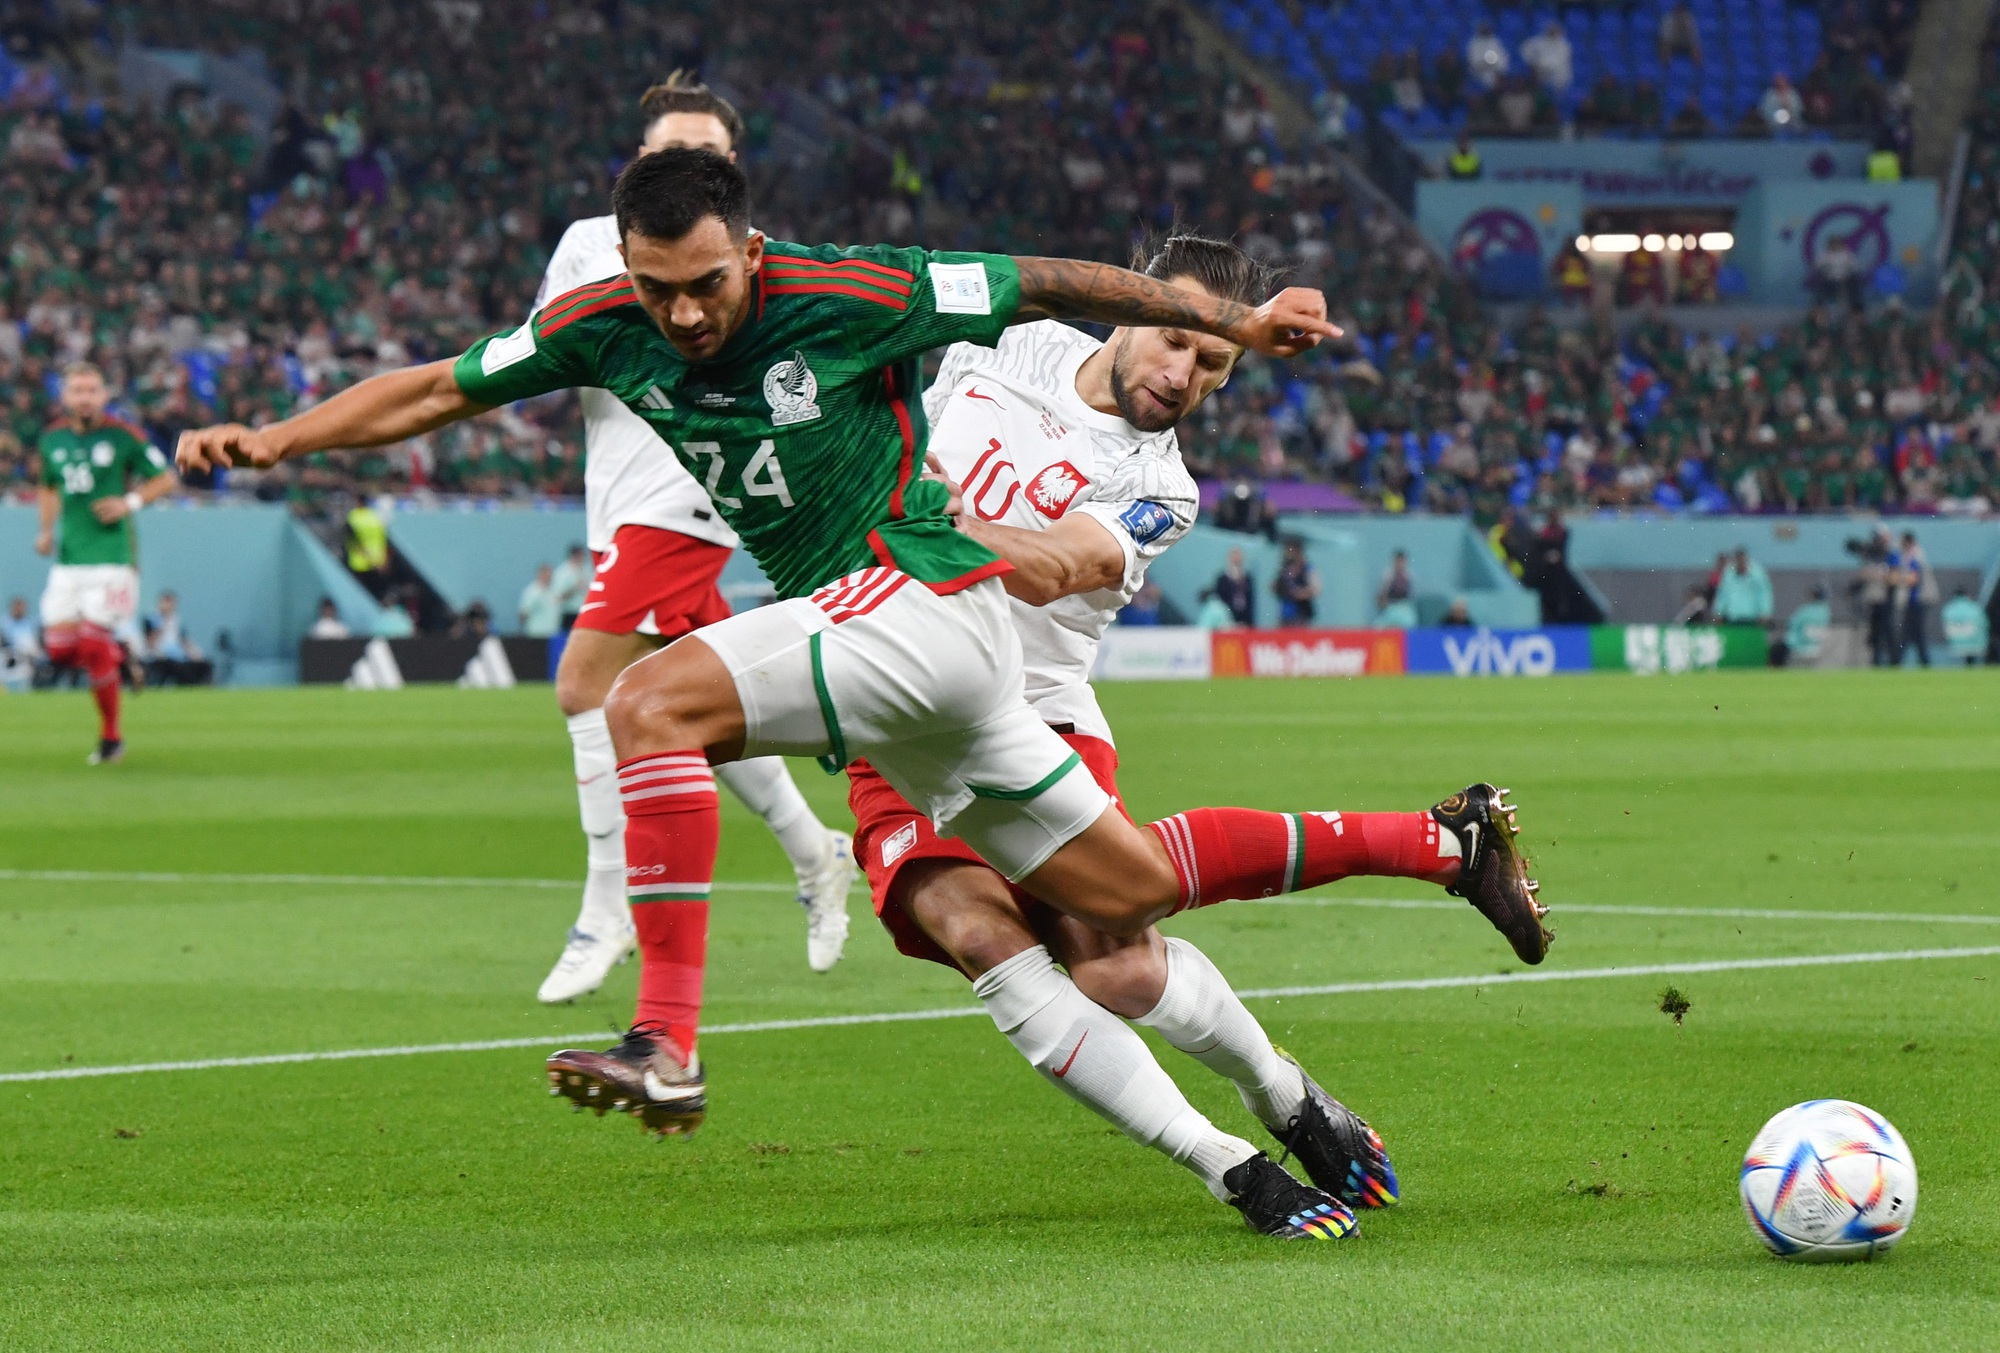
x=312, y=871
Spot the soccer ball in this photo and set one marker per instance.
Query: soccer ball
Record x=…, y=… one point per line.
x=1829, y=1180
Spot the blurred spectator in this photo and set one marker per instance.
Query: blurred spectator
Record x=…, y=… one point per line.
x=474, y=622
x=1244, y=508
x=1781, y=107
x=1874, y=588
x=1213, y=613
x=1145, y=606
x=570, y=582
x=1604, y=107
x=171, y=658
x=20, y=634
x=1237, y=590
x=368, y=548
x=1743, y=597
x=1464, y=163
x=1916, y=592
x=1694, y=610
x=1679, y=35
x=540, y=611
x=1331, y=111
x=1297, y=585
x=328, y=624
x=1458, y=615
x=1511, y=540
x=1395, y=599
x=1486, y=56
x=1836, y=276
x=1805, y=632
x=1965, y=628
x=1549, y=56
x=1690, y=121
x=394, y=621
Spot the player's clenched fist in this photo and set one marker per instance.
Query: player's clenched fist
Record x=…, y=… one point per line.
x=1288, y=323
x=225, y=444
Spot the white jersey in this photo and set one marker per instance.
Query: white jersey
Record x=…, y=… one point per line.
x=630, y=476
x=1009, y=426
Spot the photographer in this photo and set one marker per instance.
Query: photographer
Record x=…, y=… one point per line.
x=1874, y=591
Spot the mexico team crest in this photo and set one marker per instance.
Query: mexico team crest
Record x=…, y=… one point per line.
x=1054, y=489
x=790, y=389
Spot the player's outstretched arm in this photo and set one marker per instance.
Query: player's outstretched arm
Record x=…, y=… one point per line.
x=1066, y=288
x=382, y=409
x=1075, y=555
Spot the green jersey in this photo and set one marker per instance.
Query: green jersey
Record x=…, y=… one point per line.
x=87, y=466
x=805, y=428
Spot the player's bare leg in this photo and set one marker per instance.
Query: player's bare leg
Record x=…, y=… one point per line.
x=1171, y=987
x=602, y=936
x=1089, y=1054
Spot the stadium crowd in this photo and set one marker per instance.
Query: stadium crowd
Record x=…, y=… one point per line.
x=398, y=208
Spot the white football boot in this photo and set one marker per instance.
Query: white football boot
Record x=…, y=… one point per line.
x=824, y=896
x=586, y=961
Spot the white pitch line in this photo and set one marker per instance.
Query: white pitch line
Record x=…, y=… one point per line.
x=730, y=885
x=330, y=880
x=1561, y=909
x=962, y=1012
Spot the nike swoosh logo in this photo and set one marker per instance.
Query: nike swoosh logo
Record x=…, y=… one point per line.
x=972, y=392
x=595, y=778
x=591, y=606
x=1471, y=845
x=660, y=1092
x=1064, y=1069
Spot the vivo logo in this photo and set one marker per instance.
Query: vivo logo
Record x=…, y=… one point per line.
x=1487, y=654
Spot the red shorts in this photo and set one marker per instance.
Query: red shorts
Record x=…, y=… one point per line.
x=890, y=834
x=655, y=581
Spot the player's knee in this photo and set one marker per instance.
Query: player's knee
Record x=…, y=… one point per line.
x=968, y=911
x=645, y=709
x=577, y=692
x=1128, y=981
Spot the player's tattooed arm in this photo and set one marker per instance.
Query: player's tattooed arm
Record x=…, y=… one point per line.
x=382, y=409
x=1067, y=288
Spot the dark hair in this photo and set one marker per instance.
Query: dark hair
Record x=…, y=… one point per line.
x=1221, y=268
x=683, y=92
x=666, y=194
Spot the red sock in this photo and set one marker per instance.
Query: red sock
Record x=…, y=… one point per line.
x=1224, y=854
x=672, y=821
x=102, y=659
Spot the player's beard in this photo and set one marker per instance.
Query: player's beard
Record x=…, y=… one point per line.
x=1135, y=405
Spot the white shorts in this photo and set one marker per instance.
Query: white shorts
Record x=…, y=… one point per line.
x=105, y=595
x=928, y=689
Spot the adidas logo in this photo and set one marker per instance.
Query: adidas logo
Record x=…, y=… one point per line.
x=655, y=400
x=375, y=669
x=488, y=668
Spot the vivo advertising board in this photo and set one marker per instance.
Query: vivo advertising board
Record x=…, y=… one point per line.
x=1485, y=652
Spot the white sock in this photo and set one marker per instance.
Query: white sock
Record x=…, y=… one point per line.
x=1200, y=1015
x=1094, y=1057
x=765, y=785
x=604, y=910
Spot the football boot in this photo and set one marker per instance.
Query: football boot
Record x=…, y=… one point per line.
x=641, y=1075
x=1492, y=871
x=1340, y=1152
x=1276, y=1204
